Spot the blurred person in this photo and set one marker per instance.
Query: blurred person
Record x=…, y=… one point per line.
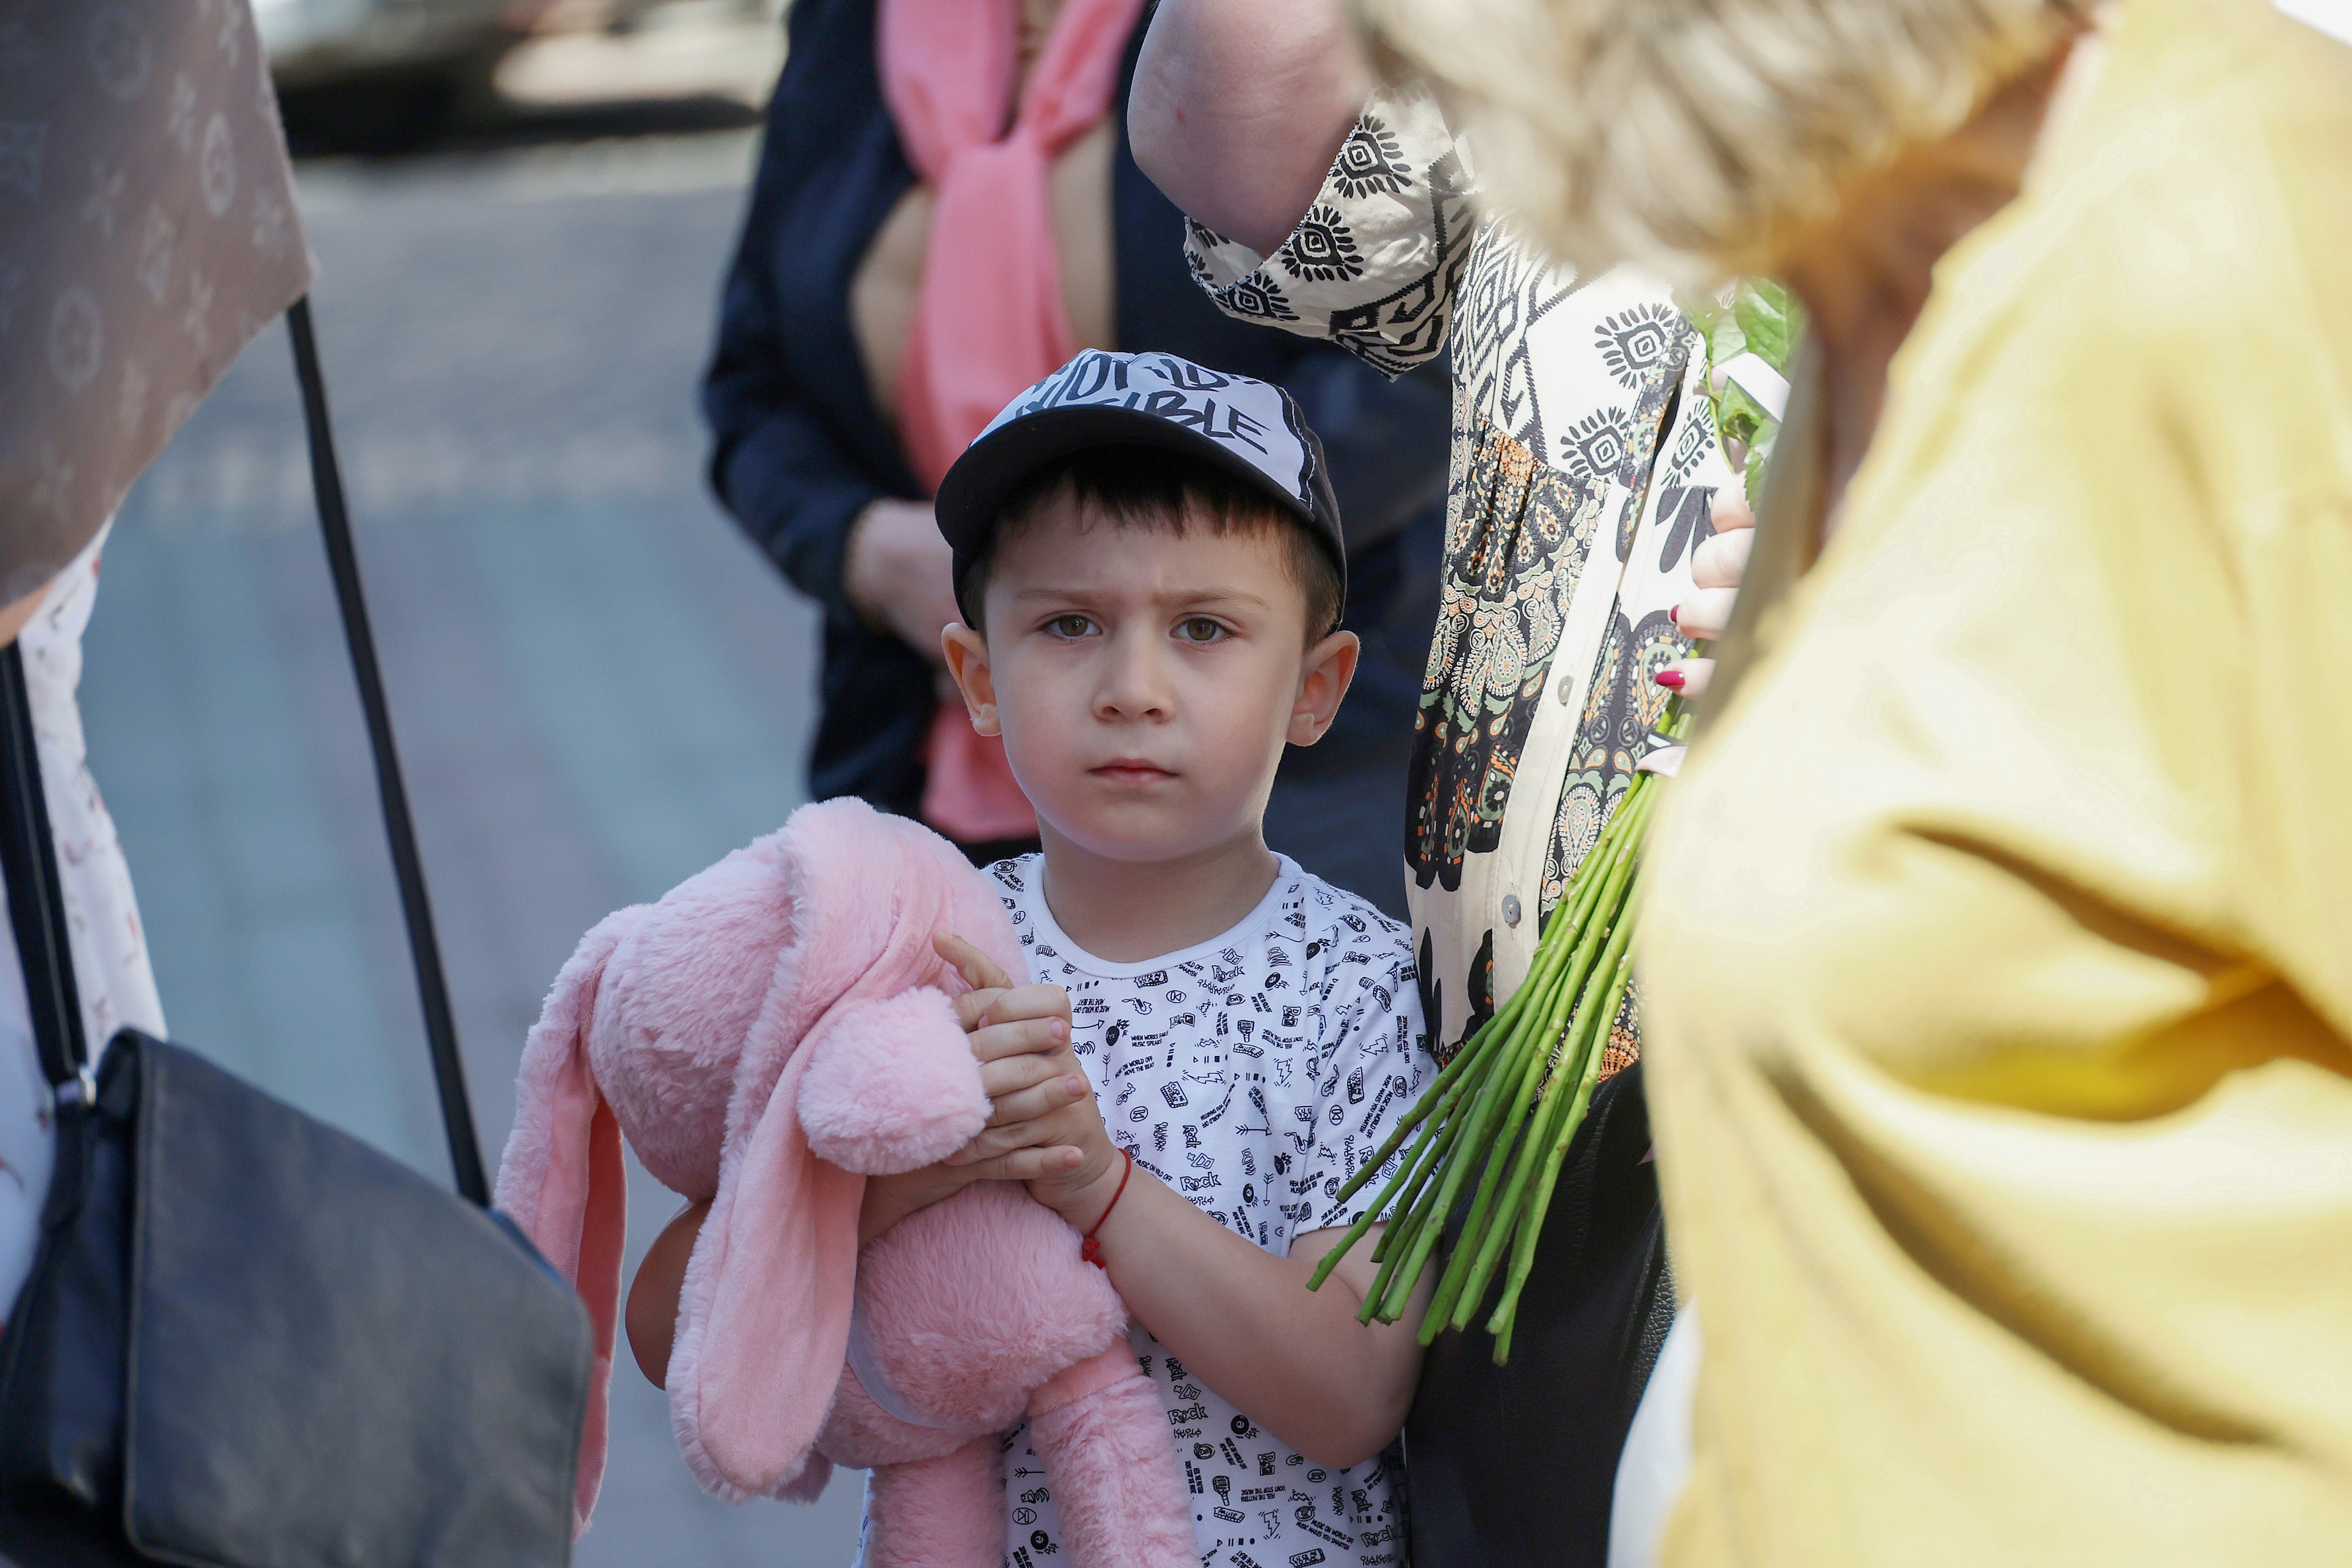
x=130, y=284
x=1999, y=944
x=1581, y=559
x=946, y=209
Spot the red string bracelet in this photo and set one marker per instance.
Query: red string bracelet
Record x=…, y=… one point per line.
x=1088, y=1248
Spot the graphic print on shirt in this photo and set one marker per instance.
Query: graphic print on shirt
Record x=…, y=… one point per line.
x=1250, y=1074
x=1519, y=533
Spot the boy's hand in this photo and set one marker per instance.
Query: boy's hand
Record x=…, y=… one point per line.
x=1044, y=1126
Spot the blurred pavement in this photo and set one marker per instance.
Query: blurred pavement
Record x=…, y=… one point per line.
x=599, y=686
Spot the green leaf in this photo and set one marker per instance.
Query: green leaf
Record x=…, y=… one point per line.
x=1757, y=316
x=1718, y=322
x=1726, y=340
x=1740, y=417
x=1769, y=320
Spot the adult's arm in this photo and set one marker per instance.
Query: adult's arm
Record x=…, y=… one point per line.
x=1239, y=105
x=1372, y=262
x=776, y=464
x=838, y=536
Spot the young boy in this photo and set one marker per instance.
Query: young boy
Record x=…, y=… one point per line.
x=1150, y=567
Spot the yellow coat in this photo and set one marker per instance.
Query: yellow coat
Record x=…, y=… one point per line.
x=1999, y=945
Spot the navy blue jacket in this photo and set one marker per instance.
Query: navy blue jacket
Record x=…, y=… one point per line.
x=801, y=449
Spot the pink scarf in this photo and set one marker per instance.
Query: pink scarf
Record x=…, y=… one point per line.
x=989, y=319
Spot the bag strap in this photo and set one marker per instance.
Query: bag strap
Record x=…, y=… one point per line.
x=407, y=865
x=28, y=857
x=36, y=900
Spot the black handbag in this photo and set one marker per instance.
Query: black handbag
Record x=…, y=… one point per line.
x=248, y=1339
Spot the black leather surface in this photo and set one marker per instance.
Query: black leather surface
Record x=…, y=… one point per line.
x=1513, y=1467
x=61, y=1419
x=329, y=1359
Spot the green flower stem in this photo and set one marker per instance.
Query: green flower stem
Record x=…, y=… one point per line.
x=1485, y=1228
x=1523, y=1255
x=1396, y=1242
x=1427, y=1220
x=1493, y=1041
x=1526, y=1071
x=1432, y=1099
x=1403, y=1232
x=1479, y=1130
x=1422, y=1161
x=1444, y=1127
x=1581, y=1053
x=1495, y=1106
x=1485, y=1133
x=1415, y=1166
x=1506, y=1315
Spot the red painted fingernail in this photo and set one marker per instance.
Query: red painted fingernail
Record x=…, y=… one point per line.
x=1674, y=613
x=1672, y=680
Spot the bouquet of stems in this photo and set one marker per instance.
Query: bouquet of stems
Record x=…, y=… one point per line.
x=1508, y=1105
x=1503, y=1112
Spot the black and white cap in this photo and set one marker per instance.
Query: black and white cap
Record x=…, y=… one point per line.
x=1251, y=429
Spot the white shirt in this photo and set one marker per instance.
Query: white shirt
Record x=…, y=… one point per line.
x=110, y=950
x=1251, y=1073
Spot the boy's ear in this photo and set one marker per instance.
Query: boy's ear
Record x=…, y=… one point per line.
x=1323, y=680
x=966, y=652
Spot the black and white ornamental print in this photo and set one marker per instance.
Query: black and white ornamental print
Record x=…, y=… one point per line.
x=1250, y=1073
x=1370, y=161
x=1397, y=177
x=1635, y=344
x=1582, y=451
x=1322, y=249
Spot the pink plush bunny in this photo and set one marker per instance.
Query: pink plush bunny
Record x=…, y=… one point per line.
x=773, y=1031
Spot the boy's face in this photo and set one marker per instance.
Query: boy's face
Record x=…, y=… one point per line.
x=1145, y=683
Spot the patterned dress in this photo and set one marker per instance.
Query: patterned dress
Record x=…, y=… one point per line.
x=1583, y=462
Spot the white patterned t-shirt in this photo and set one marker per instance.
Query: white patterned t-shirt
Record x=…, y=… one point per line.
x=1250, y=1073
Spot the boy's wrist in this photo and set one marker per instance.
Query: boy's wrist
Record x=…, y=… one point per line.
x=1083, y=1197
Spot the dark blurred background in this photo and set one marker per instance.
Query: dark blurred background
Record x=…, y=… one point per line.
x=520, y=213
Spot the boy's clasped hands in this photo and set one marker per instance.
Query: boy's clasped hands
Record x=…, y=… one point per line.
x=1044, y=1126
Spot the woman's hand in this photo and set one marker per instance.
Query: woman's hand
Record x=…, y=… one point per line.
x=1044, y=1127
x=1716, y=566
x=900, y=573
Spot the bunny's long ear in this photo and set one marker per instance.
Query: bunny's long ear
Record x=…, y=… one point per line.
x=763, y=1322
x=562, y=1180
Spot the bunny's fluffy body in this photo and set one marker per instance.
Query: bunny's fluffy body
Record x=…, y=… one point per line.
x=771, y=1032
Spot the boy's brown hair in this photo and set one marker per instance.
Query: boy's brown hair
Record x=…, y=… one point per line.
x=1153, y=489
